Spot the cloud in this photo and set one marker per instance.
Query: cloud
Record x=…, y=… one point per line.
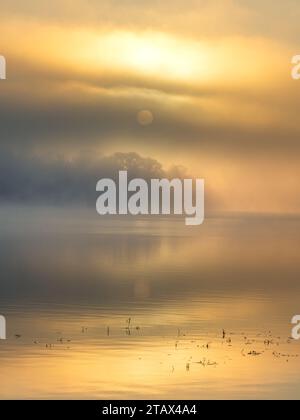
x=215, y=75
x=72, y=118
x=192, y=18
x=79, y=87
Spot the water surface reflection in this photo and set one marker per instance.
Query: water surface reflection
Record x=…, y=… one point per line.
x=143, y=309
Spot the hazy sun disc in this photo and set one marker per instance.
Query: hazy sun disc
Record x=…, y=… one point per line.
x=145, y=117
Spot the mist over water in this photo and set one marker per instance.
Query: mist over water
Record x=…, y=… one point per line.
x=123, y=307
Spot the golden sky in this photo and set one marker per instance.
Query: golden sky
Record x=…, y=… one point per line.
x=215, y=76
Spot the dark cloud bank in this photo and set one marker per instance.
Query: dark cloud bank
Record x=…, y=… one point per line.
x=30, y=179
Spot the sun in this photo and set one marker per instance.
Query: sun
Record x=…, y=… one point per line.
x=159, y=55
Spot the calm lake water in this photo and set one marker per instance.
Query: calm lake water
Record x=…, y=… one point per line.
x=137, y=308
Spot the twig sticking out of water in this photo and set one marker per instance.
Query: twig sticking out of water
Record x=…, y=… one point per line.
x=205, y=362
x=254, y=353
